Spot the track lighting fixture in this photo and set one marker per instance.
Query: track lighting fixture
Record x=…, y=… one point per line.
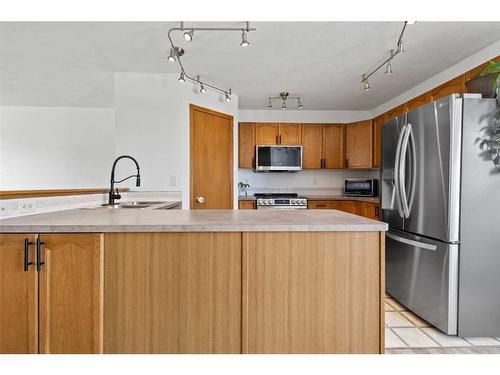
x=244, y=41
x=387, y=63
x=284, y=96
x=188, y=35
x=176, y=53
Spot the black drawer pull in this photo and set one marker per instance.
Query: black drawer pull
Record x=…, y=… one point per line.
x=27, y=243
x=39, y=262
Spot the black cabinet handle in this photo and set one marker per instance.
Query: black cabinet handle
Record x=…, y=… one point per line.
x=39, y=262
x=27, y=243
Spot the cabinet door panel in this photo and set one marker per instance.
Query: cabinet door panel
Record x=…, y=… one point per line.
x=18, y=297
x=419, y=101
x=320, y=205
x=173, y=293
x=290, y=134
x=313, y=292
x=396, y=112
x=312, y=146
x=266, y=133
x=370, y=210
x=333, y=146
x=246, y=205
x=359, y=144
x=377, y=127
x=70, y=292
x=454, y=86
x=246, y=144
x=352, y=207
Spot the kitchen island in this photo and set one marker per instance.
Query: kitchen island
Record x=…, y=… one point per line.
x=185, y=281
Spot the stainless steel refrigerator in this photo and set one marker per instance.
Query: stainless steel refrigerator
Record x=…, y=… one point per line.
x=441, y=199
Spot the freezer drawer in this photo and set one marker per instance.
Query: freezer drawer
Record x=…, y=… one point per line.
x=422, y=274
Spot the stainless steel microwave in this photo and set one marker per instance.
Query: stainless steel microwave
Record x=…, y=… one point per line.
x=361, y=187
x=278, y=158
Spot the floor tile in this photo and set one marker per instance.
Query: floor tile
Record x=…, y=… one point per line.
x=482, y=341
x=395, y=319
x=389, y=307
x=415, y=319
x=395, y=304
x=392, y=341
x=415, y=338
x=444, y=339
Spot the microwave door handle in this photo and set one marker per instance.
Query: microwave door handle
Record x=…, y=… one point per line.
x=402, y=171
x=413, y=171
x=396, y=172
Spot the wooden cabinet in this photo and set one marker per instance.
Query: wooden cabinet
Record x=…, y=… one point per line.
x=290, y=134
x=370, y=210
x=333, y=146
x=454, y=86
x=173, y=293
x=266, y=133
x=57, y=309
x=419, y=101
x=320, y=204
x=301, y=295
x=277, y=134
x=377, y=140
x=358, y=141
x=18, y=296
x=352, y=207
x=396, y=112
x=247, y=204
x=312, y=146
x=246, y=145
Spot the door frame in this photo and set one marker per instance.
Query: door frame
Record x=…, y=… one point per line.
x=192, y=108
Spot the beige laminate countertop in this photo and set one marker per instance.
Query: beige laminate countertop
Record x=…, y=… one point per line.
x=327, y=198
x=137, y=220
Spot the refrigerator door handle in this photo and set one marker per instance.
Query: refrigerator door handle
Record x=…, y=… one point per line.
x=402, y=171
x=413, y=156
x=421, y=245
x=397, y=168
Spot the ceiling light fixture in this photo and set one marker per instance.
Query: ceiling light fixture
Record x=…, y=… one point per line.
x=387, y=63
x=176, y=52
x=284, y=96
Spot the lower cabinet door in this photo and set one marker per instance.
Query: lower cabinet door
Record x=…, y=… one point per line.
x=18, y=296
x=314, y=292
x=71, y=293
x=352, y=207
x=173, y=293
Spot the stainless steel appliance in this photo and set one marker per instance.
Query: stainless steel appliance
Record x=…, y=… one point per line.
x=281, y=201
x=441, y=199
x=361, y=187
x=278, y=158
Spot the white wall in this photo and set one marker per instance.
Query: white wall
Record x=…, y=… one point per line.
x=460, y=68
x=152, y=124
x=55, y=147
x=303, y=116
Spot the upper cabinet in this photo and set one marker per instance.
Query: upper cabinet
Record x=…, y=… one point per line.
x=246, y=144
x=454, y=86
x=270, y=133
x=419, y=101
x=312, y=146
x=377, y=127
x=322, y=146
x=266, y=133
x=396, y=112
x=333, y=146
x=358, y=143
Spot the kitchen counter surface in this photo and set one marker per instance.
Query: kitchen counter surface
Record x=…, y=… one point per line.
x=141, y=220
x=326, y=198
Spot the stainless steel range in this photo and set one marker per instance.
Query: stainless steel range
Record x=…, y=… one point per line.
x=284, y=201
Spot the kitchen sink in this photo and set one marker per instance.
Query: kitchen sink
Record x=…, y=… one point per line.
x=131, y=205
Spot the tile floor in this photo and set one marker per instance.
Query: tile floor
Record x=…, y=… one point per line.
x=405, y=330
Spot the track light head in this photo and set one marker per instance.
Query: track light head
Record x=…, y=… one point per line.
x=227, y=97
x=283, y=106
x=367, y=86
x=401, y=48
x=244, y=40
x=388, y=69
x=182, y=78
x=269, y=104
x=188, y=35
x=203, y=89
x=411, y=22
x=300, y=104
x=171, y=57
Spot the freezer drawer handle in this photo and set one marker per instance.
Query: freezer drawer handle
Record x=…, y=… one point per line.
x=407, y=241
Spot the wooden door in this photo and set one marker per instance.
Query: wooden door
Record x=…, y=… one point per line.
x=454, y=86
x=266, y=133
x=71, y=293
x=18, y=296
x=173, y=293
x=290, y=134
x=246, y=145
x=311, y=292
x=312, y=146
x=377, y=139
x=370, y=210
x=352, y=207
x=333, y=146
x=211, y=155
x=359, y=144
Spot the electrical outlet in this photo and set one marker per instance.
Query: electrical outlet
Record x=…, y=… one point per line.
x=27, y=206
x=173, y=180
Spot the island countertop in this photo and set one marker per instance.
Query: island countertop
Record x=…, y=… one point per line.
x=137, y=220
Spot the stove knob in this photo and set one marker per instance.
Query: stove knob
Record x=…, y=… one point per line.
x=269, y=201
x=303, y=201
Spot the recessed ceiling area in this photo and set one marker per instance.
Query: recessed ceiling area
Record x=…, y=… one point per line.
x=73, y=64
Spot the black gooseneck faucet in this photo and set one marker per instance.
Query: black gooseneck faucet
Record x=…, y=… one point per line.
x=113, y=193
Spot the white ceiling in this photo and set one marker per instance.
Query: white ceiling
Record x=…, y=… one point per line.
x=72, y=64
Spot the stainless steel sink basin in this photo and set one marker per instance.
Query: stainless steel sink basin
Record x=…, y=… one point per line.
x=124, y=205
